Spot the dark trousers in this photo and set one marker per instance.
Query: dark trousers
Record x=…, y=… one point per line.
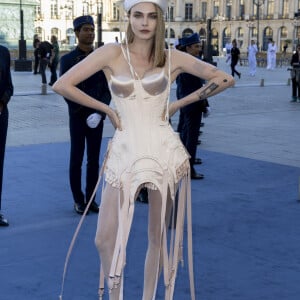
x=188, y=127
x=233, y=70
x=53, y=68
x=82, y=135
x=3, y=134
x=36, y=62
x=43, y=66
x=36, y=65
x=295, y=88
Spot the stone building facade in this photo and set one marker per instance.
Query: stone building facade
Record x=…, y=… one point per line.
x=230, y=19
x=10, y=25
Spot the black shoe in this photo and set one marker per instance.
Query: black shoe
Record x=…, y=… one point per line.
x=198, y=161
x=195, y=175
x=50, y=83
x=199, y=142
x=239, y=74
x=79, y=208
x=143, y=196
x=94, y=207
x=3, y=221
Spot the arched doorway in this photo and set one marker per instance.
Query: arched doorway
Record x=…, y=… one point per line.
x=55, y=31
x=202, y=34
x=226, y=36
x=172, y=33
x=187, y=32
x=215, y=41
x=283, y=34
x=39, y=32
x=267, y=34
x=240, y=37
x=70, y=37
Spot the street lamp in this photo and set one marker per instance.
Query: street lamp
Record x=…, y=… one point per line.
x=99, y=21
x=258, y=4
x=22, y=64
x=208, y=51
x=296, y=23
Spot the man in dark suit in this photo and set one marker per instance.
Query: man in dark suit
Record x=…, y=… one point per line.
x=6, y=91
x=191, y=115
x=295, y=74
x=86, y=125
x=45, y=55
x=235, y=58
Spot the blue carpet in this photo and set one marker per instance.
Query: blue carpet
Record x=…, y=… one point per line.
x=245, y=225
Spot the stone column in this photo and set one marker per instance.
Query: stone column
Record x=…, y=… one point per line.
x=179, y=11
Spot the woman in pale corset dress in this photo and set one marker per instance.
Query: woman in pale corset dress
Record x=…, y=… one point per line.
x=144, y=151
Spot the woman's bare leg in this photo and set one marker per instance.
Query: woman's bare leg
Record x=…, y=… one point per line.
x=154, y=244
x=107, y=231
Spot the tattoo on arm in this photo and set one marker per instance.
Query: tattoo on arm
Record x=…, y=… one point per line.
x=207, y=91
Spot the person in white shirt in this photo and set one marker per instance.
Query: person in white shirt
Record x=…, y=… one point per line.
x=228, y=47
x=271, y=55
x=252, y=51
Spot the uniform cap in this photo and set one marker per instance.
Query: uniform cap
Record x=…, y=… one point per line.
x=190, y=40
x=82, y=20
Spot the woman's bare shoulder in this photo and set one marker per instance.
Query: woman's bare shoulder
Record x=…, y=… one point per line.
x=177, y=57
x=112, y=58
x=112, y=49
x=108, y=54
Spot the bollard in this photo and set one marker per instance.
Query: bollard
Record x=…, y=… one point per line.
x=289, y=81
x=44, y=89
x=262, y=82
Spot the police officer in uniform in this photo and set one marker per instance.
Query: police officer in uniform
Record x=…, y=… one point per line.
x=86, y=125
x=295, y=74
x=6, y=91
x=191, y=115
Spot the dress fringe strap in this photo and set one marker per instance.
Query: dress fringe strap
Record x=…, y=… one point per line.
x=176, y=241
x=75, y=235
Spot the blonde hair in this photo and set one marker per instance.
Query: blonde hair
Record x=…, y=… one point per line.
x=158, y=48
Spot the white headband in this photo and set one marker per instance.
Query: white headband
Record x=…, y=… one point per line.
x=163, y=4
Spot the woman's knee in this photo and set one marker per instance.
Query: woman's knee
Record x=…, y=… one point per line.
x=103, y=241
x=105, y=237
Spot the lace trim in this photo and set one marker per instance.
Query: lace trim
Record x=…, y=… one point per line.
x=113, y=180
x=150, y=186
x=182, y=170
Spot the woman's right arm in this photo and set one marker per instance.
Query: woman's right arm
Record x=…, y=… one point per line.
x=98, y=60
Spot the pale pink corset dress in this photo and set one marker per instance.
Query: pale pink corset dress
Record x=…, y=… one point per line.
x=147, y=152
x=147, y=143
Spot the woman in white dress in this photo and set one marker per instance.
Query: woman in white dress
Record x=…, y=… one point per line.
x=145, y=151
x=271, y=55
x=252, y=52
